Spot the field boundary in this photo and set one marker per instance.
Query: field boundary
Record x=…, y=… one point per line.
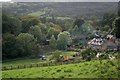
x=38, y=65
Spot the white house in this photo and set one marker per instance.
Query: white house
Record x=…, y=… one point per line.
x=96, y=43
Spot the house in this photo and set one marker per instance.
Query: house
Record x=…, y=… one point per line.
x=111, y=44
x=108, y=44
x=96, y=43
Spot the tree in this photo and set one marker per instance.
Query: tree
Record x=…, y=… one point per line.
x=37, y=50
x=103, y=56
x=88, y=54
x=107, y=19
x=63, y=40
x=43, y=28
x=116, y=27
x=28, y=21
x=53, y=19
x=53, y=42
x=53, y=31
x=56, y=56
x=44, y=31
x=10, y=47
x=75, y=31
x=68, y=25
x=27, y=41
x=106, y=28
x=36, y=31
x=11, y=24
x=78, y=22
x=43, y=19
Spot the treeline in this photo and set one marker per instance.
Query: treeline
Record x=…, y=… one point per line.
x=24, y=36
x=62, y=9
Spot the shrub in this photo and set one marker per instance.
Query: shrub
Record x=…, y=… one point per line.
x=69, y=70
x=56, y=56
x=88, y=54
x=61, y=76
x=58, y=70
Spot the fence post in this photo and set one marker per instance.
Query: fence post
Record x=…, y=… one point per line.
x=24, y=66
x=40, y=64
x=47, y=64
x=18, y=66
x=37, y=65
x=43, y=64
x=11, y=67
x=61, y=63
x=30, y=65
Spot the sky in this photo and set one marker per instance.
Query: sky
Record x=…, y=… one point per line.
x=4, y=0
x=59, y=0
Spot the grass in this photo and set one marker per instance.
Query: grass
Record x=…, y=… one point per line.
x=92, y=69
x=38, y=13
x=62, y=18
x=68, y=53
x=23, y=61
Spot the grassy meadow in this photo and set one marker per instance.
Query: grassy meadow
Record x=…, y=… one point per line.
x=92, y=69
x=25, y=61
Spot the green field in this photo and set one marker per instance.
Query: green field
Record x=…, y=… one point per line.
x=93, y=69
x=22, y=61
x=62, y=18
x=38, y=13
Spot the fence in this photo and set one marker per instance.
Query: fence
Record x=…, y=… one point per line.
x=38, y=65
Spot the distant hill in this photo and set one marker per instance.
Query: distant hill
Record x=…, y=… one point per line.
x=71, y=9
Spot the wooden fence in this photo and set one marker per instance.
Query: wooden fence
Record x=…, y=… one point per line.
x=38, y=65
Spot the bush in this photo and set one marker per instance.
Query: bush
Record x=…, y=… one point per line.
x=69, y=70
x=58, y=70
x=56, y=56
x=104, y=56
x=88, y=54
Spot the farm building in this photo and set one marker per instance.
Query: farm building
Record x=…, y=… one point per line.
x=111, y=43
x=104, y=44
x=96, y=43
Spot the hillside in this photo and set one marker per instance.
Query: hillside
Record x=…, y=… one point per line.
x=60, y=40
x=93, y=69
x=84, y=9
